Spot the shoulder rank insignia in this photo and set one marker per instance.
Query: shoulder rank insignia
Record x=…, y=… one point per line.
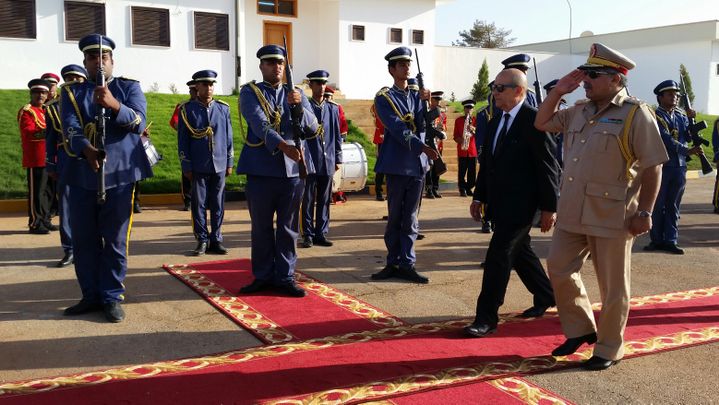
x=223, y=102
x=26, y=107
x=582, y=101
x=382, y=91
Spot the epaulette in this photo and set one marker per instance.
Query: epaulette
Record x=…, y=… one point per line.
x=53, y=101
x=127, y=78
x=332, y=102
x=382, y=91
x=250, y=82
x=582, y=101
x=680, y=111
x=633, y=100
x=223, y=102
x=27, y=107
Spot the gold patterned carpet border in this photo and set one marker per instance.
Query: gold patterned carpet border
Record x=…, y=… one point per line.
x=490, y=371
x=240, y=356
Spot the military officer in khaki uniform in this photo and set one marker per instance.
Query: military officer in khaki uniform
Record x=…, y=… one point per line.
x=613, y=156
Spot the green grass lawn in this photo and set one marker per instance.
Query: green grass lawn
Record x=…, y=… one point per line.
x=167, y=171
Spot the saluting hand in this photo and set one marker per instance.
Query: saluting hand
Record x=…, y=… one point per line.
x=294, y=97
x=570, y=82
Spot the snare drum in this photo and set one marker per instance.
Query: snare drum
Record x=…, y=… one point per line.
x=152, y=155
x=352, y=175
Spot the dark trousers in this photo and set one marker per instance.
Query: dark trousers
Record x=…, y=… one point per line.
x=186, y=190
x=100, y=237
x=431, y=180
x=316, y=206
x=63, y=211
x=39, y=197
x=274, y=252
x=467, y=175
x=665, y=218
x=715, y=198
x=378, y=177
x=208, y=192
x=509, y=248
x=403, y=197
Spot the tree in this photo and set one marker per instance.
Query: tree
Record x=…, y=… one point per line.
x=480, y=90
x=687, y=84
x=485, y=35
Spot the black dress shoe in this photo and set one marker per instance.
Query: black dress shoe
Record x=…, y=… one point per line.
x=429, y=195
x=136, y=209
x=596, y=363
x=306, y=242
x=421, y=236
x=462, y=193
x=652, y=247
x=66, y=260
x=186, y=207
x=292, y=290
x=255, y=286
x=322, y=242
x=436, y=194
x=39, y=230
x=673, y=248
x=479, y=330
x=572, y=344
x=411, y=274
x=534, y=312
x=217, y=248
x=51, y=227
x=200, y=249
x=379, y=197
x=486, y=227
x=82, y=307
x=387, y=272
x=113, y=312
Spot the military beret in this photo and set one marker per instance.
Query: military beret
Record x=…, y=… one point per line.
x=39, y=84
x=549, y=86
x=205, y=76
x=666, y=85
x=271, y=52
x=321, y=75
x=518, y=61
x=91, y=43
x=73, y=70
x=401, y=53
x=602, y=56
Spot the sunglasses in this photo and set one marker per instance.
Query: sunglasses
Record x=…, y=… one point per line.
x=501, y=87
x=593, y=74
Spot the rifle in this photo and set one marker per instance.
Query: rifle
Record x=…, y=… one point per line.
x=99, y=141
x=439, y=166
x=537, y=83
x=295, y=116
x=694, y=128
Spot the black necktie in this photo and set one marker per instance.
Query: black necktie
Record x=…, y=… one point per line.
x=502, y=133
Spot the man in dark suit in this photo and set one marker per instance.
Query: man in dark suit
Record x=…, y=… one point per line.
x=519, y=175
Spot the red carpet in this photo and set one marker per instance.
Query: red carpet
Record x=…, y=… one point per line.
x=274, y=318
x=374, y=364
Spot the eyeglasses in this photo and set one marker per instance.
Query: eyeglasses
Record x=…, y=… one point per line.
x=593, y=74
x=501, y=87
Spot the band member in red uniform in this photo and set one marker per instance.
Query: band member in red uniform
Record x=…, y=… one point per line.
x=31, y=119
x=466, y=149
x=377, y=140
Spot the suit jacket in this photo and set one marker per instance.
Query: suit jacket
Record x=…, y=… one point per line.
x=522, y=175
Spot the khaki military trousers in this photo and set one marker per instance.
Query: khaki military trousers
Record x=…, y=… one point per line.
x=612, y=263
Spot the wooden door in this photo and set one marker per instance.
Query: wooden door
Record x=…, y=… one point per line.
x=273, y=32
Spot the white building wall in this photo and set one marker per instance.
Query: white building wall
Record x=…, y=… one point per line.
x=149, y=64
x=363, y=70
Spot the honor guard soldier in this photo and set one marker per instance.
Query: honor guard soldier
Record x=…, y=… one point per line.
x=32, y=123
x=53, y=79
x=185, y=183
x=436, y=134
x=57, y=152
x=558, y=137
x=521, y=61
x=324, y=148
x=205, y=145
x=272, y=159
x=100, y=230
x=600, y=212
x=674, y=129
x=344, y=129
x=464, y=128
x=715, y=146
x=404, y=162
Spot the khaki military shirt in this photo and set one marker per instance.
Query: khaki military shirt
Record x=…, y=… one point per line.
x=597, y=196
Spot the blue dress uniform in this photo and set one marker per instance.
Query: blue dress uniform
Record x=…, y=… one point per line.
x=673, y=127
x=205, y=145
x=558, y=137
x=404, y=164
x=57, y=152
x=519, y=61
x=100, y=232
x=715, y=146
x=273, y=183
x=324, y=149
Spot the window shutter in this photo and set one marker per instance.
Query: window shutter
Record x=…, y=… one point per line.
x=17, y=19
x=150, y=26
x=212, y=31
x=83, y=18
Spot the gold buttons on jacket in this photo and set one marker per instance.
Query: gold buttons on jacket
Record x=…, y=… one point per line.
x=571, y=179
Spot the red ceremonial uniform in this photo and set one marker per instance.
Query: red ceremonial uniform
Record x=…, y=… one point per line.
x=344, y=127
x=175, y=117
x=378, y=128
x=458, y=136
x=32, y=131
